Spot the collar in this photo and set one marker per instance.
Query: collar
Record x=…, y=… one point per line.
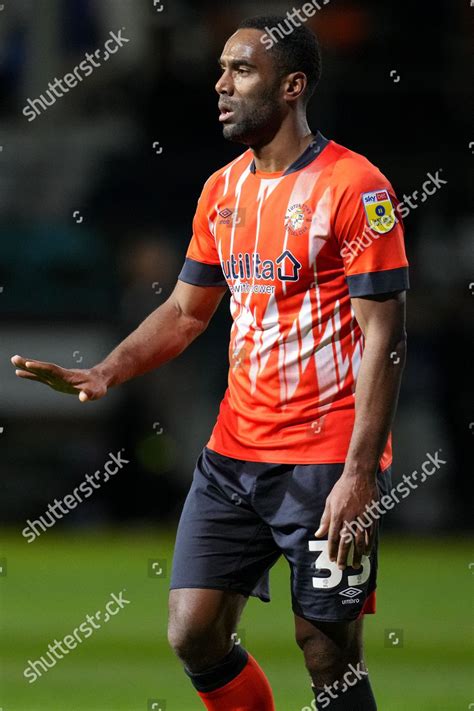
x=315, y=148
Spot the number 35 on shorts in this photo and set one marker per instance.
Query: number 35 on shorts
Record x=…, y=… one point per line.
x=324, y=564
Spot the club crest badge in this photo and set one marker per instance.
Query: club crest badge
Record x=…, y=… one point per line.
x=298, y=219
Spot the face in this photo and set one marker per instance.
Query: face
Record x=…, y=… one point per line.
x=251, y=101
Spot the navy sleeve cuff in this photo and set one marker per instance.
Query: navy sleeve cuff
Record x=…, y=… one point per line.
x=378, y=282
x=201, y=274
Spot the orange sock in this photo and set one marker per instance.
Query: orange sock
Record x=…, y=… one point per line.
x=249, y=691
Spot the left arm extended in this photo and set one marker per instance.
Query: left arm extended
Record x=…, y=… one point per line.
x=382, y=320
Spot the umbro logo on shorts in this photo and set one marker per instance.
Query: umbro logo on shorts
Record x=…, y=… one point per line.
x=350, y=592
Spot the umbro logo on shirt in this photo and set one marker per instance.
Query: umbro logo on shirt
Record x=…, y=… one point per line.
x=232, y=217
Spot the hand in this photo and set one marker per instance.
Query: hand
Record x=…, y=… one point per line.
x=351, y=496
x=87, y=384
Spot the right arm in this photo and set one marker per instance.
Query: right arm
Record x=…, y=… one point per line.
x=162, y=336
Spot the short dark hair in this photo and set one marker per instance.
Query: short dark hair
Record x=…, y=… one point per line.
x=298, y=51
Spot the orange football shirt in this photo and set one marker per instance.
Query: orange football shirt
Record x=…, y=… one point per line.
x=293, y=248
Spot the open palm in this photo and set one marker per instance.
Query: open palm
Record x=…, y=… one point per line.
x=87, y=384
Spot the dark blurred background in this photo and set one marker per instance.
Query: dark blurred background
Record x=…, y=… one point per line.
x=97, y=196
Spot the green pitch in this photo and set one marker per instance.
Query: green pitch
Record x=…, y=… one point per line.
x=52, y=584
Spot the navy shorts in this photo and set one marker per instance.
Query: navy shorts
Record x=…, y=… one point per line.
x=240, y=517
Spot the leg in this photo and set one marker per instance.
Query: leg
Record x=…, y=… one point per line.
x=320, y=590
x=333, y=653
x=201, y=624
x=200, y=631
x=329, y=648
x=222, y=555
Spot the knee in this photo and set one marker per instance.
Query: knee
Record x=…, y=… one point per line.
x=328, y=659
x=199, y=645
x=184, y=636
x=201, y=623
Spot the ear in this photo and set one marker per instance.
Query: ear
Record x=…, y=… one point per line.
x=295, y=86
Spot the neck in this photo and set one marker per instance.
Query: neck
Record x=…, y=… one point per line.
x=290, y=141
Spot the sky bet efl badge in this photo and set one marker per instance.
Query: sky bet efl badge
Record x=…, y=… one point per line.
x=379, y=211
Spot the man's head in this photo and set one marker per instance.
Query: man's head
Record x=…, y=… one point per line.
x=262, y=80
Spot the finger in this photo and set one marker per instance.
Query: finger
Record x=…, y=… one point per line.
x=40, y=367
x=28, y=376
x=48, y=373
x=334, y=539
x=18, y=360
x=83, y=396
x=359, y=546
x=343, y=549
x=370, y=538
x=366, y=541
x=39, y=378
x=324, y=522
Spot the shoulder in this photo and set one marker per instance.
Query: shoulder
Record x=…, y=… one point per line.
x=219, y=177
x=353, y=174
